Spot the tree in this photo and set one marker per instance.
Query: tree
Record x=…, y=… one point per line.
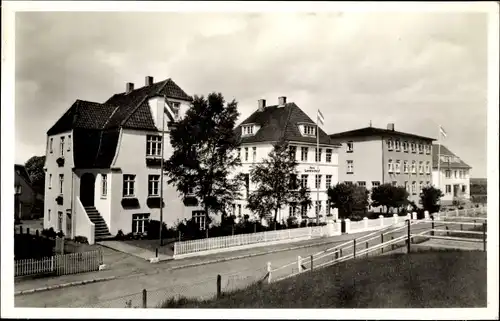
x=34, y=167
x=389, y=196
x=429, y=198
x=276, y=182
x=348, y=198
x=204, y=155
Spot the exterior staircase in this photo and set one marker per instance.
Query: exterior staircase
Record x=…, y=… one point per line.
x=101, y=228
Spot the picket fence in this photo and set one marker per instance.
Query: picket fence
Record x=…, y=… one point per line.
x=60, y=264
x=214, y=243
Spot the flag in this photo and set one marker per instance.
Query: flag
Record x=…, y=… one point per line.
x=441, y=130
x=321, y=119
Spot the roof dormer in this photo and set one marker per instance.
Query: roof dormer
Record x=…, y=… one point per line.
x=307, y=129
x=249, y=129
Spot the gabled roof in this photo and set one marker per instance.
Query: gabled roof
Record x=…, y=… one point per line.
x=278, y=123
x=96, y=126
x=22, y=172
x=372, y=131
x=444, y=151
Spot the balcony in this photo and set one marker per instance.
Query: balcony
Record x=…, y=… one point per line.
x=130, y=202
x=153, y=161
x=154, y=202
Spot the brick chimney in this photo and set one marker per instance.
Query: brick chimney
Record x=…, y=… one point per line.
x=281, y=101
x=390, y=126
x=262, y=104
x=130, y=87
x=149, y=80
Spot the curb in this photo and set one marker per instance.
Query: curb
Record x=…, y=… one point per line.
x=250, y=255
x=64, y=285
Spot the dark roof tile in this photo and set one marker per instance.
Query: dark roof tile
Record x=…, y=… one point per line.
x=444, y=151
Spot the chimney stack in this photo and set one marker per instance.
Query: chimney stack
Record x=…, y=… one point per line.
x=149, y=80
x=281, y=101
x=130, y=87
x=262, y=104
x=390, y=126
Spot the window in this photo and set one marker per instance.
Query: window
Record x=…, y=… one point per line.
x=104, y=185
x=398, y=166
x=246, y=178
x=456, y=174
x=248, y=130
x=309, y=130
x=303, y=153
x=398, y=145
x=348, y=182
x=50, y=181
x=448, y=189
x=390, y=144
x=350, y=167
x=421, y=148
x=139, y=222
x=375, y=184
x=414, y=188
x=153, y=185
x=59, y=221
x=48, y=215
x=239, y=209
x=176, y=106
x=128, y=185
x=293, y=181
x=464, y=189
x=69, y=143
x=421, y=186
x=254, y=154
x=421, y=167
x=199, y=218
x=303, y=181
x=61, y=182
x=318, y=207
x=428, y=149
x=405, y=146
x=328, y=181
x=328, y=208
x=246, y=154
x=153, y=145
x=51, y=143
x=390, y=166
x=61, y=147
x=428, y=167
x=239, y=153
x=318, y=154
x=190, y=191
x=405, y=167
x=292, y=209
x=350, y=147
x=447, y=174
x=318, y=181
x=293, y=152
x=362, y=183
x=413, y=147
x=414, y=167
x=303, y=210
x=328, y=155
x=407, y=186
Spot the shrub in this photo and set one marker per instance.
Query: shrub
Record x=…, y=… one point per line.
x=60, y=234
x=129, y=236
x=81, y=239
x=120, y=236
x=356, y=218
x=153, y=230
x=292, y=222
x=50, y=233
x=303, y=223
x=30, y=246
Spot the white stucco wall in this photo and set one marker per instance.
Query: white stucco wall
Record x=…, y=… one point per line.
x=440, y=180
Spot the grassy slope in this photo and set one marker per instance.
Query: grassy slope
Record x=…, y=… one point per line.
x=443, y=279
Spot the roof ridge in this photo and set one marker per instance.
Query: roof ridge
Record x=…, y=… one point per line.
x=133, y=111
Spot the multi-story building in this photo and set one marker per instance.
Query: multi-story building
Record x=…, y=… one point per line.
x=103, y=163
x=316, y=171
x=25, y=196
x=372, y=156
x=453, y=177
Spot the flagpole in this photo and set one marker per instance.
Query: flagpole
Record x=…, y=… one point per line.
x=439, y=156
x=317, y=162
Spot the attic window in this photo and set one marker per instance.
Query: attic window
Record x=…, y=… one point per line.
x=247, y=130
x=309, y=130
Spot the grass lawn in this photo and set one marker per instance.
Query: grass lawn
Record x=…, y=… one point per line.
x=430, y=279
x=152, y=245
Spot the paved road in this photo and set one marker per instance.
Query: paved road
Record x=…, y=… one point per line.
x=198, y=281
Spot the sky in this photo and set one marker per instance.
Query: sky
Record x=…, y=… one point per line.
x=416, y=70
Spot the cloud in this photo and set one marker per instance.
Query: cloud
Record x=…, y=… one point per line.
x=415, y=69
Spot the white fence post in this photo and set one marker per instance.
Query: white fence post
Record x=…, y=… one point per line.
x=414, y=215
x=268, y=272
x=299, y=263
x=426, y=215
x=396, y=218
x=381, y=219
x=347, y=225
x=365, y=222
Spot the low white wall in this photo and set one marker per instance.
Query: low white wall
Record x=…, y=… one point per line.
x=83, y=224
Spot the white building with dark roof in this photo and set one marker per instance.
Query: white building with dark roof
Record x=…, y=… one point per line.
x=453, y=177
x=103, y=163
x=286, y=121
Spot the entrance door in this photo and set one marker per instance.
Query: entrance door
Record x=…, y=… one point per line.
x=87, y=185
x=455, y=190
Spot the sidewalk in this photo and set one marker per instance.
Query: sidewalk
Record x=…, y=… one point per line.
x=121, y=265
x=139, y=252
